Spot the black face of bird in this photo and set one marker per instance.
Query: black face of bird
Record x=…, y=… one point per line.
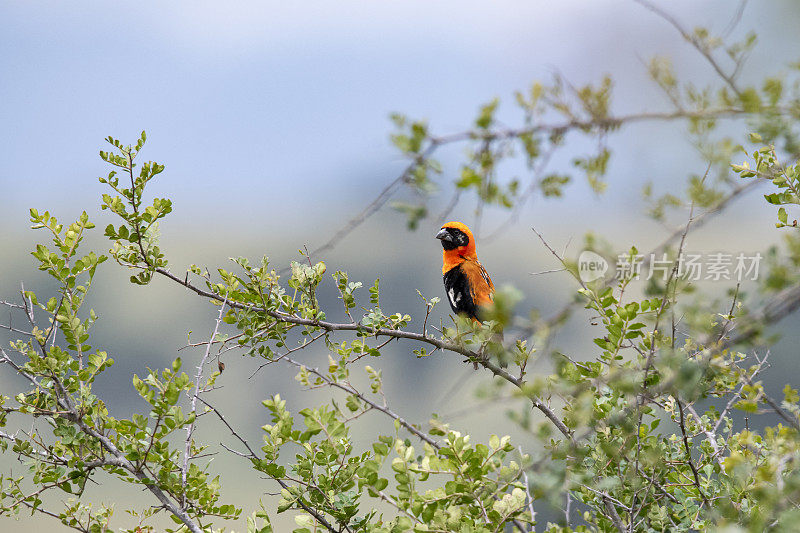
x=452, y=238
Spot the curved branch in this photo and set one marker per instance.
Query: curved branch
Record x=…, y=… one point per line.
x=396, y=333
x=595, y=123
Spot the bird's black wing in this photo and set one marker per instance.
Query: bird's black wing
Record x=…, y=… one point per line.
x=459, y=293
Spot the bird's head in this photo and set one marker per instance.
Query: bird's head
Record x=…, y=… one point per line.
x=457, y=238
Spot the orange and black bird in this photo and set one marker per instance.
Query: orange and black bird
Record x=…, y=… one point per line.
x=469, y=287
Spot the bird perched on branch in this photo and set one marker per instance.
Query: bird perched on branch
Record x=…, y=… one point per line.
x=469, y=287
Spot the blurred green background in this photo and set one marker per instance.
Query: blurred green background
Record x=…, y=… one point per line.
x=272, y=122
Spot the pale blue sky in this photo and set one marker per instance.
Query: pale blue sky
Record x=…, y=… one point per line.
x=243, y=101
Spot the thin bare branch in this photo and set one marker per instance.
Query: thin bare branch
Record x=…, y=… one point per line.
x=195, y=392
x=613, y=514
x=687, y=448
x=252, y=455
x=695, y=42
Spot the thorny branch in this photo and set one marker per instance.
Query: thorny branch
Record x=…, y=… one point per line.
x=252, y=455
x=688, y=449
x=194, y=396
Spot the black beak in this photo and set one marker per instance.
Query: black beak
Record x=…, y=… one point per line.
x=444, y=235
